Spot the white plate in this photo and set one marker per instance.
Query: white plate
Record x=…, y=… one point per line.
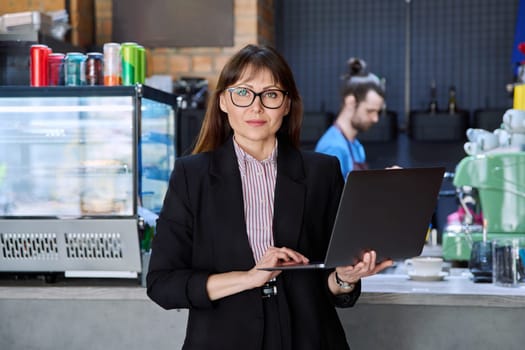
x=438, y=277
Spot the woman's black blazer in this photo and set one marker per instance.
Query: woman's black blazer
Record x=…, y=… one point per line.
x=201, y=230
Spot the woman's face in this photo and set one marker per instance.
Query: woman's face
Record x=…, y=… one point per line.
x=254, y=126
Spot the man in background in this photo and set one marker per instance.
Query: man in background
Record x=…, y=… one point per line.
x=362, y=102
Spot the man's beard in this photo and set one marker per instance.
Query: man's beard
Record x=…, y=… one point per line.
x=360, y=126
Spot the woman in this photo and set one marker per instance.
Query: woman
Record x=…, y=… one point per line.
x=246, y=199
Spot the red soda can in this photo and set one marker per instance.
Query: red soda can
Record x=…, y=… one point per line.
x=55, y=69
x=38, y=64
x=95, y=68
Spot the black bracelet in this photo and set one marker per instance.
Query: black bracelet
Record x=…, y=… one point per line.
x=342, y=284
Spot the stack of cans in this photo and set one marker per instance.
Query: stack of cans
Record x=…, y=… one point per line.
x=119, y=64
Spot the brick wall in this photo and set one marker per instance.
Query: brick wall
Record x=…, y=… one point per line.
x=10, y=6
x=265, y=22
x=103, y=27
x=253, y=24
x=81, y=13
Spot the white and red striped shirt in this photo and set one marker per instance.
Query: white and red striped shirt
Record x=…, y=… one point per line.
x=258, y=188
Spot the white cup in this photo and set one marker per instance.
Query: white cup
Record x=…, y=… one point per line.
x=517, y=139
x=424, y=265
x=471, y=148
x=503, y=137
x=485, y=139
x=514, y=120
x=473, y=134
x=488, y=141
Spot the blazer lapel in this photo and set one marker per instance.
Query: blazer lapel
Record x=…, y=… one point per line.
x=226, y=196
x=290, y=192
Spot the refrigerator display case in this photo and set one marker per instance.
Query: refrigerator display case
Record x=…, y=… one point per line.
x=79, y=168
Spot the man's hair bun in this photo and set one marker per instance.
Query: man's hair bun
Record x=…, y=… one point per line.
x=356, y=66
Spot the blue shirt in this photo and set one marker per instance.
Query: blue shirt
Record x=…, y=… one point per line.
x=333, y=142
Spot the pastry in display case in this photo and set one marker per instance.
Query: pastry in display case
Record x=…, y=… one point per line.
x=78, y=167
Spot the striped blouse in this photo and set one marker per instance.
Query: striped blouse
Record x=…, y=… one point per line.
x=258, y=188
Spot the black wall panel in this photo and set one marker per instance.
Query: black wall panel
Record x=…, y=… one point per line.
x=317, y=37
x=466, y=43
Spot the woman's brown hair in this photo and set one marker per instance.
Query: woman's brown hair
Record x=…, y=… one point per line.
x=215, y=128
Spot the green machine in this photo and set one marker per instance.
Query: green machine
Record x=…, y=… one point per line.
x=499, y=179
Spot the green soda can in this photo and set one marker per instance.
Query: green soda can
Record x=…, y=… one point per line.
x=127, y=52
x=140, y=64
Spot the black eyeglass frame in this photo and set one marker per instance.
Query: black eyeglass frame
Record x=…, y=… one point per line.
x=255, y=94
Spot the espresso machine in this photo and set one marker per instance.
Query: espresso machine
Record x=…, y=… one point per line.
x=498, y=179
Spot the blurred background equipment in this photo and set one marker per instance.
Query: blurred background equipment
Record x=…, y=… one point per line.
x=194, y=92
x=54, y=23
x=192, y=96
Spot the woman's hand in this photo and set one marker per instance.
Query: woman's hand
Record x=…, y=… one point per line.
x=351, y=274
x=274, y=257
x=224, y=284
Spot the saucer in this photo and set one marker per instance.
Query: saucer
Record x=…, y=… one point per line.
x=439, y=277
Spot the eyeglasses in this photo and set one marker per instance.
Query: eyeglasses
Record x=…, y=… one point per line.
x=244, y=97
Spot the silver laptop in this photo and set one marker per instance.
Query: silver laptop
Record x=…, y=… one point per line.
x=387, y=210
